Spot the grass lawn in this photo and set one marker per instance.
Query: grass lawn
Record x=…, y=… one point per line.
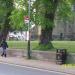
x=69, y=45
x=17, y=44
x=21, y=44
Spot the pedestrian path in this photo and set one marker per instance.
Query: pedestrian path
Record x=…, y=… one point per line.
x=70, y=68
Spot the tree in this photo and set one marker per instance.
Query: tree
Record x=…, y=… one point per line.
x=46, y=11
x=6, y=7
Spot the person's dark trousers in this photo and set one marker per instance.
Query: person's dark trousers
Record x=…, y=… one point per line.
x=4, y=53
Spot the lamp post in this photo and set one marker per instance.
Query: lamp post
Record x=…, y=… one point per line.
x=29, y=52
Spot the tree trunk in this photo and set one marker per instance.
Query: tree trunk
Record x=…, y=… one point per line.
x=8, y=4
x=6, y=28
x=46, y=36
x=46, y=32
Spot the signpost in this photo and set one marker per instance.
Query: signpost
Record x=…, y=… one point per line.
x=27, y=21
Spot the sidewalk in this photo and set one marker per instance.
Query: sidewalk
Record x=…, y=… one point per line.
x=70, y=69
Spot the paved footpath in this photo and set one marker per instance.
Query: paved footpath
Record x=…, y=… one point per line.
x=69, y=69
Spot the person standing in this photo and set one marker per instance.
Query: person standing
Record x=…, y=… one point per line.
x=4, y=46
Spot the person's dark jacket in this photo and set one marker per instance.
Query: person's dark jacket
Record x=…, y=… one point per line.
x=4, y=45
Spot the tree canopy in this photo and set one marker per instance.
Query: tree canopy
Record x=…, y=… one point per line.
x=6, y=6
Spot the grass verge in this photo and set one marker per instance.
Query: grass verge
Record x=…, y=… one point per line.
x=69, y=45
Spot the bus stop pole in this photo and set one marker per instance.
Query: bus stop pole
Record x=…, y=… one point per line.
x=29, y=52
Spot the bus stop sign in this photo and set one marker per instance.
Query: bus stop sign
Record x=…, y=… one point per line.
x=26, y=19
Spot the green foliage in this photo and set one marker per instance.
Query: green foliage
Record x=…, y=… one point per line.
x=3, y=11
x=17, y=20
x=64, y=10
x=17, y=15
x=42, y=8
x=6, y=6
x=61, y=8
x=47, y=47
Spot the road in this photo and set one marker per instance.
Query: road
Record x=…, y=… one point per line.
x=9, y=69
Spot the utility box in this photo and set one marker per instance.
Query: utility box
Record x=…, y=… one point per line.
x=61, y=56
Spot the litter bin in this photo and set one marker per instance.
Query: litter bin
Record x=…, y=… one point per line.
x=61, y=56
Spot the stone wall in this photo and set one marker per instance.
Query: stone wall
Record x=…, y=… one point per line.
x=71, y=58
x=39, y=55
x=44, y=55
